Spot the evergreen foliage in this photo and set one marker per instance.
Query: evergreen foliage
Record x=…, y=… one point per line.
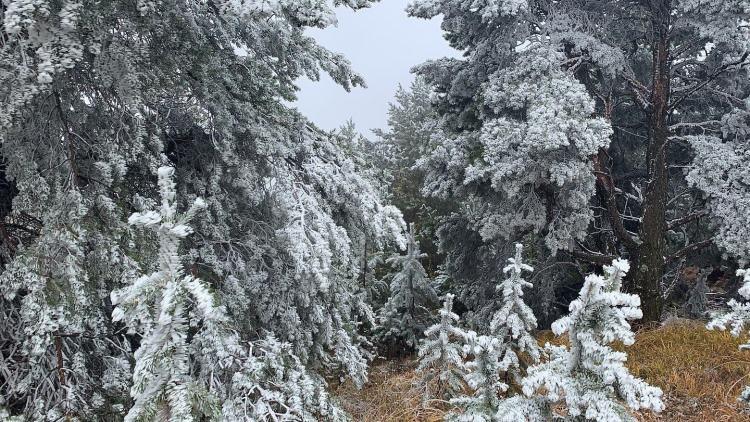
x=563, y=123
x=189, y=365
x=412, y=125
x=589, y=379
x=408, y=311
x=514, y=323
x=501, y=358
x=96, y=96
x=160, y=308
x=484, y=370
x=587, y=130
x=441, y=364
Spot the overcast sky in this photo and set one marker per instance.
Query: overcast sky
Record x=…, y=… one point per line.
x=383, y=44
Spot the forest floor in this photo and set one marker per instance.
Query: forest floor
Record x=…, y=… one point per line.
x=701, y=372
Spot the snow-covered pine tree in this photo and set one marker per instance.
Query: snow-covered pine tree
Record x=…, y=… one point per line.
x=510, y=339
x=95, y=96
x=441, y=365
x=537, y=119
x=189, y=364
x=411, y=124
x=720, y=171
x=589, y=379
x=61, y=357
x=268, y=382
x=483, y=377
x=738, y=319
x=408, y=311
x=161, y=308
x=514, y=323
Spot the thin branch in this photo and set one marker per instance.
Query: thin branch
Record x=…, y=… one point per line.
x=691, y=125
x=640, y=92
x=604, y=180
x=686, y=219
x=69, y=142
x=723, y=68
x=592, y=257
x=690, y=248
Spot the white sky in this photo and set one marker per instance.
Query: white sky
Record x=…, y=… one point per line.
x=383, y=44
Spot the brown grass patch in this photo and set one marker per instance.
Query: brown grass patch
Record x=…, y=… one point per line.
x=701, y=372
x=389, y=396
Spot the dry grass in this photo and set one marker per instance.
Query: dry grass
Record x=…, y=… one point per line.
x=389, y=396
x=701, y=372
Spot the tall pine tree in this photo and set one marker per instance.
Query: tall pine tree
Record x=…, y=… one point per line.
x=561, y=108
x=96, y=96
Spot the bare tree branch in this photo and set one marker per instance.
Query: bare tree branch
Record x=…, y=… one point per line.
x=686, y=219
x=723, y=68
x=690, y=248
x=604, y=180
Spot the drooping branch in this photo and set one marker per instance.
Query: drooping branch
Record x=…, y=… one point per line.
x=70, y=144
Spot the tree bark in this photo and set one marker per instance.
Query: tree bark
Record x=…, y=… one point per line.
x=649, y=260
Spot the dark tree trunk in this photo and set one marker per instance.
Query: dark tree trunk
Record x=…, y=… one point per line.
x=648, y=267
x=8, y=191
